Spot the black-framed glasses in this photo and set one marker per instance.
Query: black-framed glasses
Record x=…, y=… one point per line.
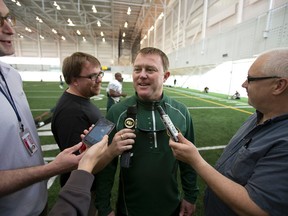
x=10, y=19
x=93, y=76
x=250, y=79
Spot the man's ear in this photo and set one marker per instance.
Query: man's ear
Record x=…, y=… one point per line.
x=74, y=81
x=281, y=86
x=166, y=75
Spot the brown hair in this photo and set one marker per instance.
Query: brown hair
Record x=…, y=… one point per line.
x=72, y=65
x=155, y=51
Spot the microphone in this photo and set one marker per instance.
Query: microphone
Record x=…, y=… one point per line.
x=172, y=131
x=129, y=122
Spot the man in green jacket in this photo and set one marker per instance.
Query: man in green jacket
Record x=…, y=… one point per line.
x=149, y=185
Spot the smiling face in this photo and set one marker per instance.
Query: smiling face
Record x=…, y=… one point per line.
x=85, y=86
x=149, y=76
x=6, y=33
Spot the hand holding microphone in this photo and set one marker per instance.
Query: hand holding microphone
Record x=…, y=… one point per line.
x=129, y=122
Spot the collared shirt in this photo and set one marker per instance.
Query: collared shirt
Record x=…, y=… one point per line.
x=30, y=200
x=256, y=158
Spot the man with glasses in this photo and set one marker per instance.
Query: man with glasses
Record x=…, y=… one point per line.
x=251, y=176
x=74, y=111
x=150, y=185
x=23, y=173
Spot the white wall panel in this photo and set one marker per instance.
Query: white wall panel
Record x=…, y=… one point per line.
x=189, y=49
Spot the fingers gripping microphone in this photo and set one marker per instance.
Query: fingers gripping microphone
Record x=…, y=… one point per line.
x=172, y=131
x=129, y=122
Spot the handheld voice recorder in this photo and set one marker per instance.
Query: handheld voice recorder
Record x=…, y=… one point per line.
x=171, y=129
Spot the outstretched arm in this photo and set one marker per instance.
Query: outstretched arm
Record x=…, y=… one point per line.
x=13, y=180
x=230, y=192
x=74, y=197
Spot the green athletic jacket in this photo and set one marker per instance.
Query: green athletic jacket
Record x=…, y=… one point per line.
x=149, y=187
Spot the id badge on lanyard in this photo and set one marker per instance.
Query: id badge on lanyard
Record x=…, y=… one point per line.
x=25, y=134
x=28, y=141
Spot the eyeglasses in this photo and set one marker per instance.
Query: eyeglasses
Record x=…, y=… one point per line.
x=10, y=19
x=250, y=79
x=93, y=76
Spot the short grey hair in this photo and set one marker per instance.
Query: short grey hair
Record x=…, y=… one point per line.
x=276, y=62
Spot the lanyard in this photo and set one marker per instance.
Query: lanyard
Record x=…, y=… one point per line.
x=11, y=101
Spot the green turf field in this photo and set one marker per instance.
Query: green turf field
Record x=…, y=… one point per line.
x=216, y=119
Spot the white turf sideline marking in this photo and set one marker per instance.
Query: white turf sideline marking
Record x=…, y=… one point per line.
x=242, y=107
x=208, y=96
x=47, y=159
x=211, y=147
x=51, y=181
x=49, y=147
x=45, y=133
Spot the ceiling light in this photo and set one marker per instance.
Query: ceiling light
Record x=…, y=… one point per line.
x=28, y=29
x=94, y=9
x=123, y=34
x=38, y=19
x=129, y=11
x=56, y=5
x=13, y=0
x=54, y=31
x=126, y=25
x=63, y=38
x=123, y=40
x=41, y=37
x=78, y=32
x=70, y=23
x=101, y=33
x=103, y=39
x=18, y=3
x=161, y=16
x=98, y=23
x=84, y=39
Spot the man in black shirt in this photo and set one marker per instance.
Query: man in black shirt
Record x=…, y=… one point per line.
x=74, y=111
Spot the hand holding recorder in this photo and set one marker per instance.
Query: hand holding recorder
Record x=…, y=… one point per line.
x=171, y=129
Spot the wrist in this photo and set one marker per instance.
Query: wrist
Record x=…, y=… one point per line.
x=110, y=153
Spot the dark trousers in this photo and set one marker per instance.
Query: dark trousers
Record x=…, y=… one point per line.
x=110, y=102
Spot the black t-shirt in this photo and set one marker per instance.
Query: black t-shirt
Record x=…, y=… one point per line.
x=72, y=115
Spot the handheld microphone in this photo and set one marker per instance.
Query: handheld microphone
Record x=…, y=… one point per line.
x=172, y=131
x=129, y=122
